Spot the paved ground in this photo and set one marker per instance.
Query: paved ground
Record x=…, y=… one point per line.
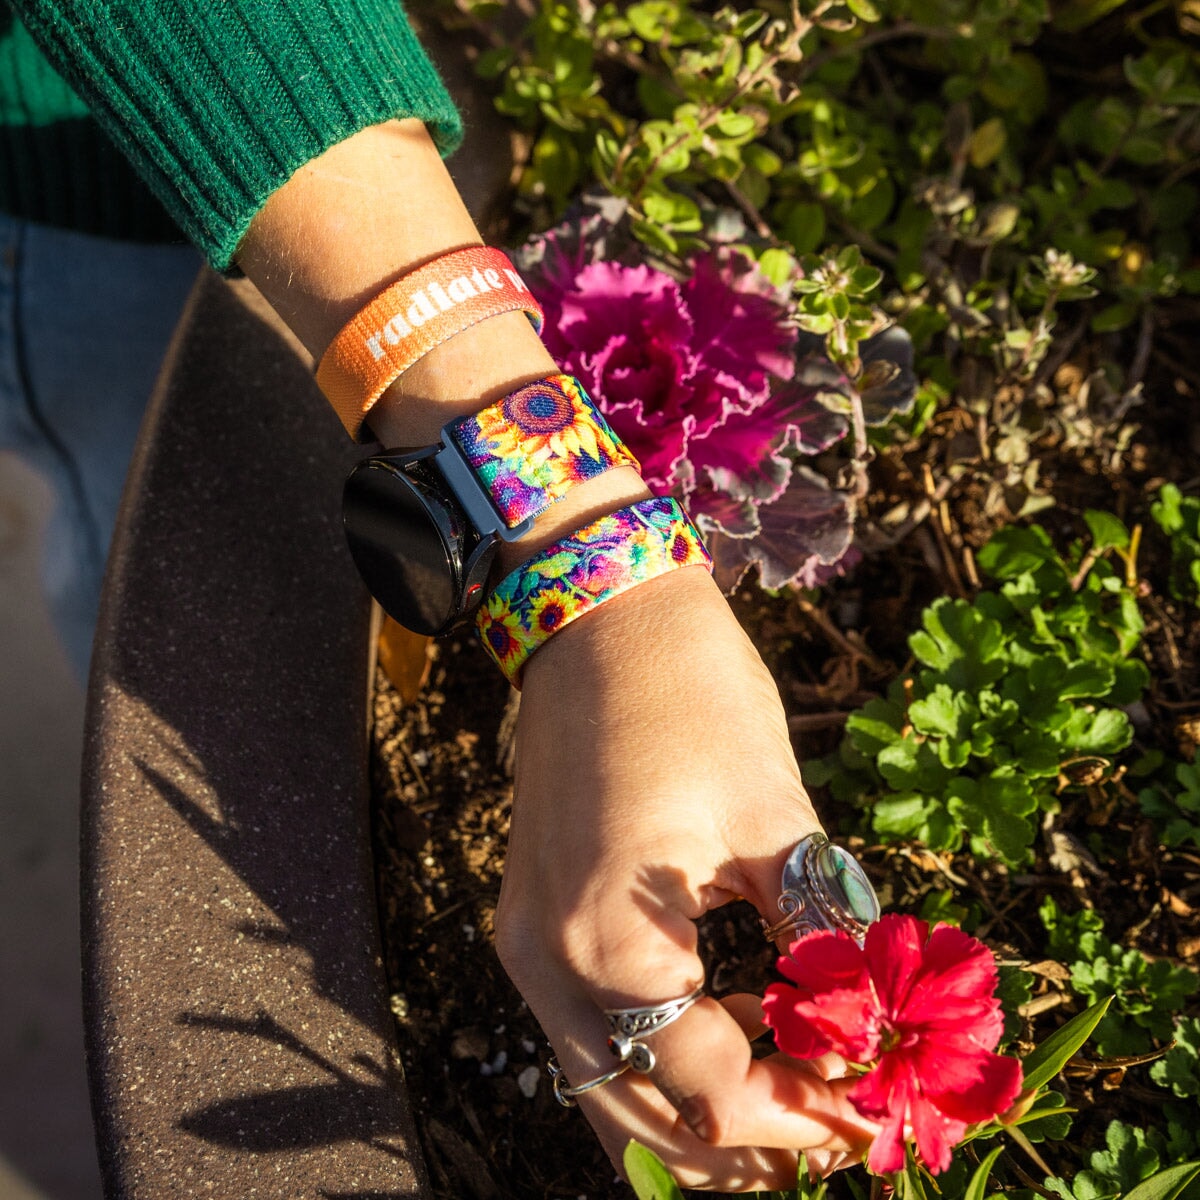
x=46, y=1150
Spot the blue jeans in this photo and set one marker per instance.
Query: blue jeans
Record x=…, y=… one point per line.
x=84, y=323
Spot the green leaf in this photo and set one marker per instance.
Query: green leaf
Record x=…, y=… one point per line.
x=1166, y=1185
x=994, y=811
x=922, y=818
x=1044, y=1062
x=1125, y=1162
x=944, y=712
x=877, y=724
x=648, y=1175
x=1014, y=987
x=962, y=643
x=671, y=210
x=987, y=142
x=808, y=1187
x=652, y=20
x=1179, y=1068
x=912, y=764
x=735, y=124
x=975, y=1189
x=1167, y=510
x=1115, y=316
x=1106, y=530
x=1013, y=551
x=908, y=1183
x=864, y=10
x=1048, y=1120
x=1086, y=679
x=804, y=227
x=1105, y=732
x=777, y=265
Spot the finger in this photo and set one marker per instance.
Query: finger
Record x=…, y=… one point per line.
x=746, y=1009
x=828, y=1066
x=728, y=1098
x=823, y=1163
x=758, y=877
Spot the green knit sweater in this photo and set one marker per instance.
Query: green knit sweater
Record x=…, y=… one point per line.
x=215, y=103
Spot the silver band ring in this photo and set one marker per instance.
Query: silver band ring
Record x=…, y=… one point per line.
x=627, y=1026
x=565, y=1094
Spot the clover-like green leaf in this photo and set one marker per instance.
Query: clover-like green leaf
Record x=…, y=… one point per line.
x=944, y=712
x=1104, y=732
x=1179, y=1068
x=910, y=815
x=877, y=724
x=913, y=764
x=958, y=641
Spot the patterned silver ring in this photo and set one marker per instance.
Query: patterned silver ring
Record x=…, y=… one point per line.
x=565, y=1094
x=823, y=887
x=627, y=1026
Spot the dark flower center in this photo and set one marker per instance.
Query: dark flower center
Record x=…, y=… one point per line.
x=539, y=410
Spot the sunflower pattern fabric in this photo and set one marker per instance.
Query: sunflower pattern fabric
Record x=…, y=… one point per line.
x=529, y=449
x=571, y=577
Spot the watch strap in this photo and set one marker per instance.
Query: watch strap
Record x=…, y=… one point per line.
x=410, y=317
x=573, y=576
x=530, y=448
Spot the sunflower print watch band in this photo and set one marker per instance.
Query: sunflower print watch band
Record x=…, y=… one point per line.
x=571, y=577
x=529, y=449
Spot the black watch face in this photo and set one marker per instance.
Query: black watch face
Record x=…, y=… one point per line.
x=407, y=540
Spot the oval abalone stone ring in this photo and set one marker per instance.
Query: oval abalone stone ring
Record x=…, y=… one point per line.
x=823, y=887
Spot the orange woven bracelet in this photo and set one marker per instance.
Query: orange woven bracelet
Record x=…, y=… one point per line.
x=416, y=313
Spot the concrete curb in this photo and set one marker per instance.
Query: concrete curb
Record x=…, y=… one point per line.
x=239, y=1040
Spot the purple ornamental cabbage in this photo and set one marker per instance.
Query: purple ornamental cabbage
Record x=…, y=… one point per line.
x=700, y=379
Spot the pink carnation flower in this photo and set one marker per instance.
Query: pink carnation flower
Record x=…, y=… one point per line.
x=920, y=1010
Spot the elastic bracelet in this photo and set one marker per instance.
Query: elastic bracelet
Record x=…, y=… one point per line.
x=571, y=577
x=530, y=448
x=408, y=319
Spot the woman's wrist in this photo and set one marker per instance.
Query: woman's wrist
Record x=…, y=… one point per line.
x=353, y=221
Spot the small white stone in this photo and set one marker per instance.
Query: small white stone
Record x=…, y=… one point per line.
x=527, y=1081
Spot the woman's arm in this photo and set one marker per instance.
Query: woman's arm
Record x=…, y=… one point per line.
x=655, y=776
x=348, y=224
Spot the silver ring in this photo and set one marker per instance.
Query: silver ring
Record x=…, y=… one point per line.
x=823, y=887
x=565, y=1094
x=627, y=1026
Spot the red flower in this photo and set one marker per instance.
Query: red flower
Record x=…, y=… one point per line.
x=920, y=1010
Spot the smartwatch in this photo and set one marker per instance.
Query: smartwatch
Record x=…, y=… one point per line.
x=823, y=887
x=424, y=526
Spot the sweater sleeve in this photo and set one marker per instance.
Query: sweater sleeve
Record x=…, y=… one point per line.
x=218, y=102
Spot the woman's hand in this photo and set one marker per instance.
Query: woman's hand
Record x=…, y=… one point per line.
x=656, y=780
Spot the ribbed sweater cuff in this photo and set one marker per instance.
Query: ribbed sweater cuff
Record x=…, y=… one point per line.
x=218, y=103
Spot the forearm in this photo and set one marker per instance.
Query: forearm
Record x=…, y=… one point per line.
x=348, y=224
